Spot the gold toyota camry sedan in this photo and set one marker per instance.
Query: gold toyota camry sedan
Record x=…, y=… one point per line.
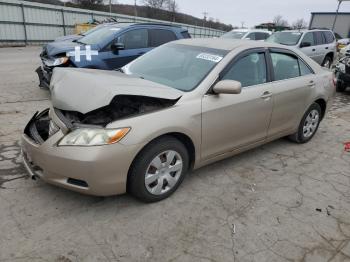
x=181, y=106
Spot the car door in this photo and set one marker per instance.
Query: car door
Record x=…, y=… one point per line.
x=292, y=85
x=231, y=121
x=308, y=46
x=135, y=43
x=320, y=47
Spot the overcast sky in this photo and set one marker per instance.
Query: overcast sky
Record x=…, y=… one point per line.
x=253, y=12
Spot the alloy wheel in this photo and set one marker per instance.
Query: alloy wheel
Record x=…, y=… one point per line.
x=311, y=123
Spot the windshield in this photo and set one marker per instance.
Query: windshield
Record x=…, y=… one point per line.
x=98, y=35
x=179, y=66
x=233, y=35
x=285, y=38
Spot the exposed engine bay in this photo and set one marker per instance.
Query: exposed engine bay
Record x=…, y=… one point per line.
x=121, y=106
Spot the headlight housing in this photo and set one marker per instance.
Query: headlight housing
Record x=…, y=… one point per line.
x=57, y=61
x=93, y=136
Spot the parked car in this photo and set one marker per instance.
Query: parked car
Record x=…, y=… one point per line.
x=109, y=47
x=344, y=51
x=342, y=72
x=320, y=45
x=249, y=34
x=341, y=42
x=183, y=105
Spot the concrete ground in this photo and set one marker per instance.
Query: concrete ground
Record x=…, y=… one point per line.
x=278, y=202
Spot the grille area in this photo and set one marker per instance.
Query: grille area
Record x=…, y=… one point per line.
x=41, y=127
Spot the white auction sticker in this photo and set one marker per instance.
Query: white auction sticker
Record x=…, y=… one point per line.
x=209, y=57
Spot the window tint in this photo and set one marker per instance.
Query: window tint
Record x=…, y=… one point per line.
x=249, y=70
x=328, y=36
x=304, y=69
x=285, y=66
x=251, y=36
x=319, y=38
x=134, y=39
x=261, y=36
x=185, y=34
x=309, y=38
x=160, y=36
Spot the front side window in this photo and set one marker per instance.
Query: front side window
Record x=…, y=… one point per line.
x=178, y=66
x=261, y=36
x=160, y=36
x=285, y=66
x=251, y=36
x=134, y=39
x=249, y=70
x=309, y=38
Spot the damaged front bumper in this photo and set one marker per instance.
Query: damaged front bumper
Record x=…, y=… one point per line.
x=44, y=76
x=95, y=170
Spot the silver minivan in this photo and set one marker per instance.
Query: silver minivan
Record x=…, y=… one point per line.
x=320, y=45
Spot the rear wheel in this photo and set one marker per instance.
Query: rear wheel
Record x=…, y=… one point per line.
x=158, y=170
x=308, y=125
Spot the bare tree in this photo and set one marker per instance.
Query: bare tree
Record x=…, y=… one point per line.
x=299, y=24
x=159, y=4
x=279, y=21
x=172, y=7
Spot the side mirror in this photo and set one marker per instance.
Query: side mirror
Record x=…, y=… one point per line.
x=305, y=44
x=115, y=47
x=227, y=87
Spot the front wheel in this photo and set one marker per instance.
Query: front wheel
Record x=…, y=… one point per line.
x=327, y=62
x=308, y=125
x=158, y=170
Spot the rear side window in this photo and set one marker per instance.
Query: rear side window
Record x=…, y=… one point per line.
x=185, y=34
x=319, y=38
x=160, y=36
x=261, y=36
x=304, y=69
x=285, y=66
x=328, y=36
x=134, y=39
x=249, y=70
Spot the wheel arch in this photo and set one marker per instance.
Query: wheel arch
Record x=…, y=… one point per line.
x=182, y=137
x=323, y=104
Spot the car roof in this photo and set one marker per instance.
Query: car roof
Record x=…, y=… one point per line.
x=128, y=24
x=250, y=30
x=226, y=44
x=305, y=30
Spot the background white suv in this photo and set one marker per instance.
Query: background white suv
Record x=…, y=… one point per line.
x=320, y=45
x=252, y=34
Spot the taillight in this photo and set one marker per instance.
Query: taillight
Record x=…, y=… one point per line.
x=334, y=81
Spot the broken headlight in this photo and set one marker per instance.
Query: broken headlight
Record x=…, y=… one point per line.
x=56, y=61
x=93, y=136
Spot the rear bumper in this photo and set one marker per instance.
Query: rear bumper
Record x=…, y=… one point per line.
x=93, y=170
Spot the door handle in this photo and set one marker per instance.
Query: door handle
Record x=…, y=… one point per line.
x=326, y=47
x=313, y=50
x=311, y=83
x=266, y=94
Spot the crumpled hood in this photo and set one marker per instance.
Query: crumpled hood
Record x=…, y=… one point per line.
x=55, y=48
x=84, y=90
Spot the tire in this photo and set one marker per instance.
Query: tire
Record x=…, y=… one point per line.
x=147, y=164
x=327, y=62
x=302, y=135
